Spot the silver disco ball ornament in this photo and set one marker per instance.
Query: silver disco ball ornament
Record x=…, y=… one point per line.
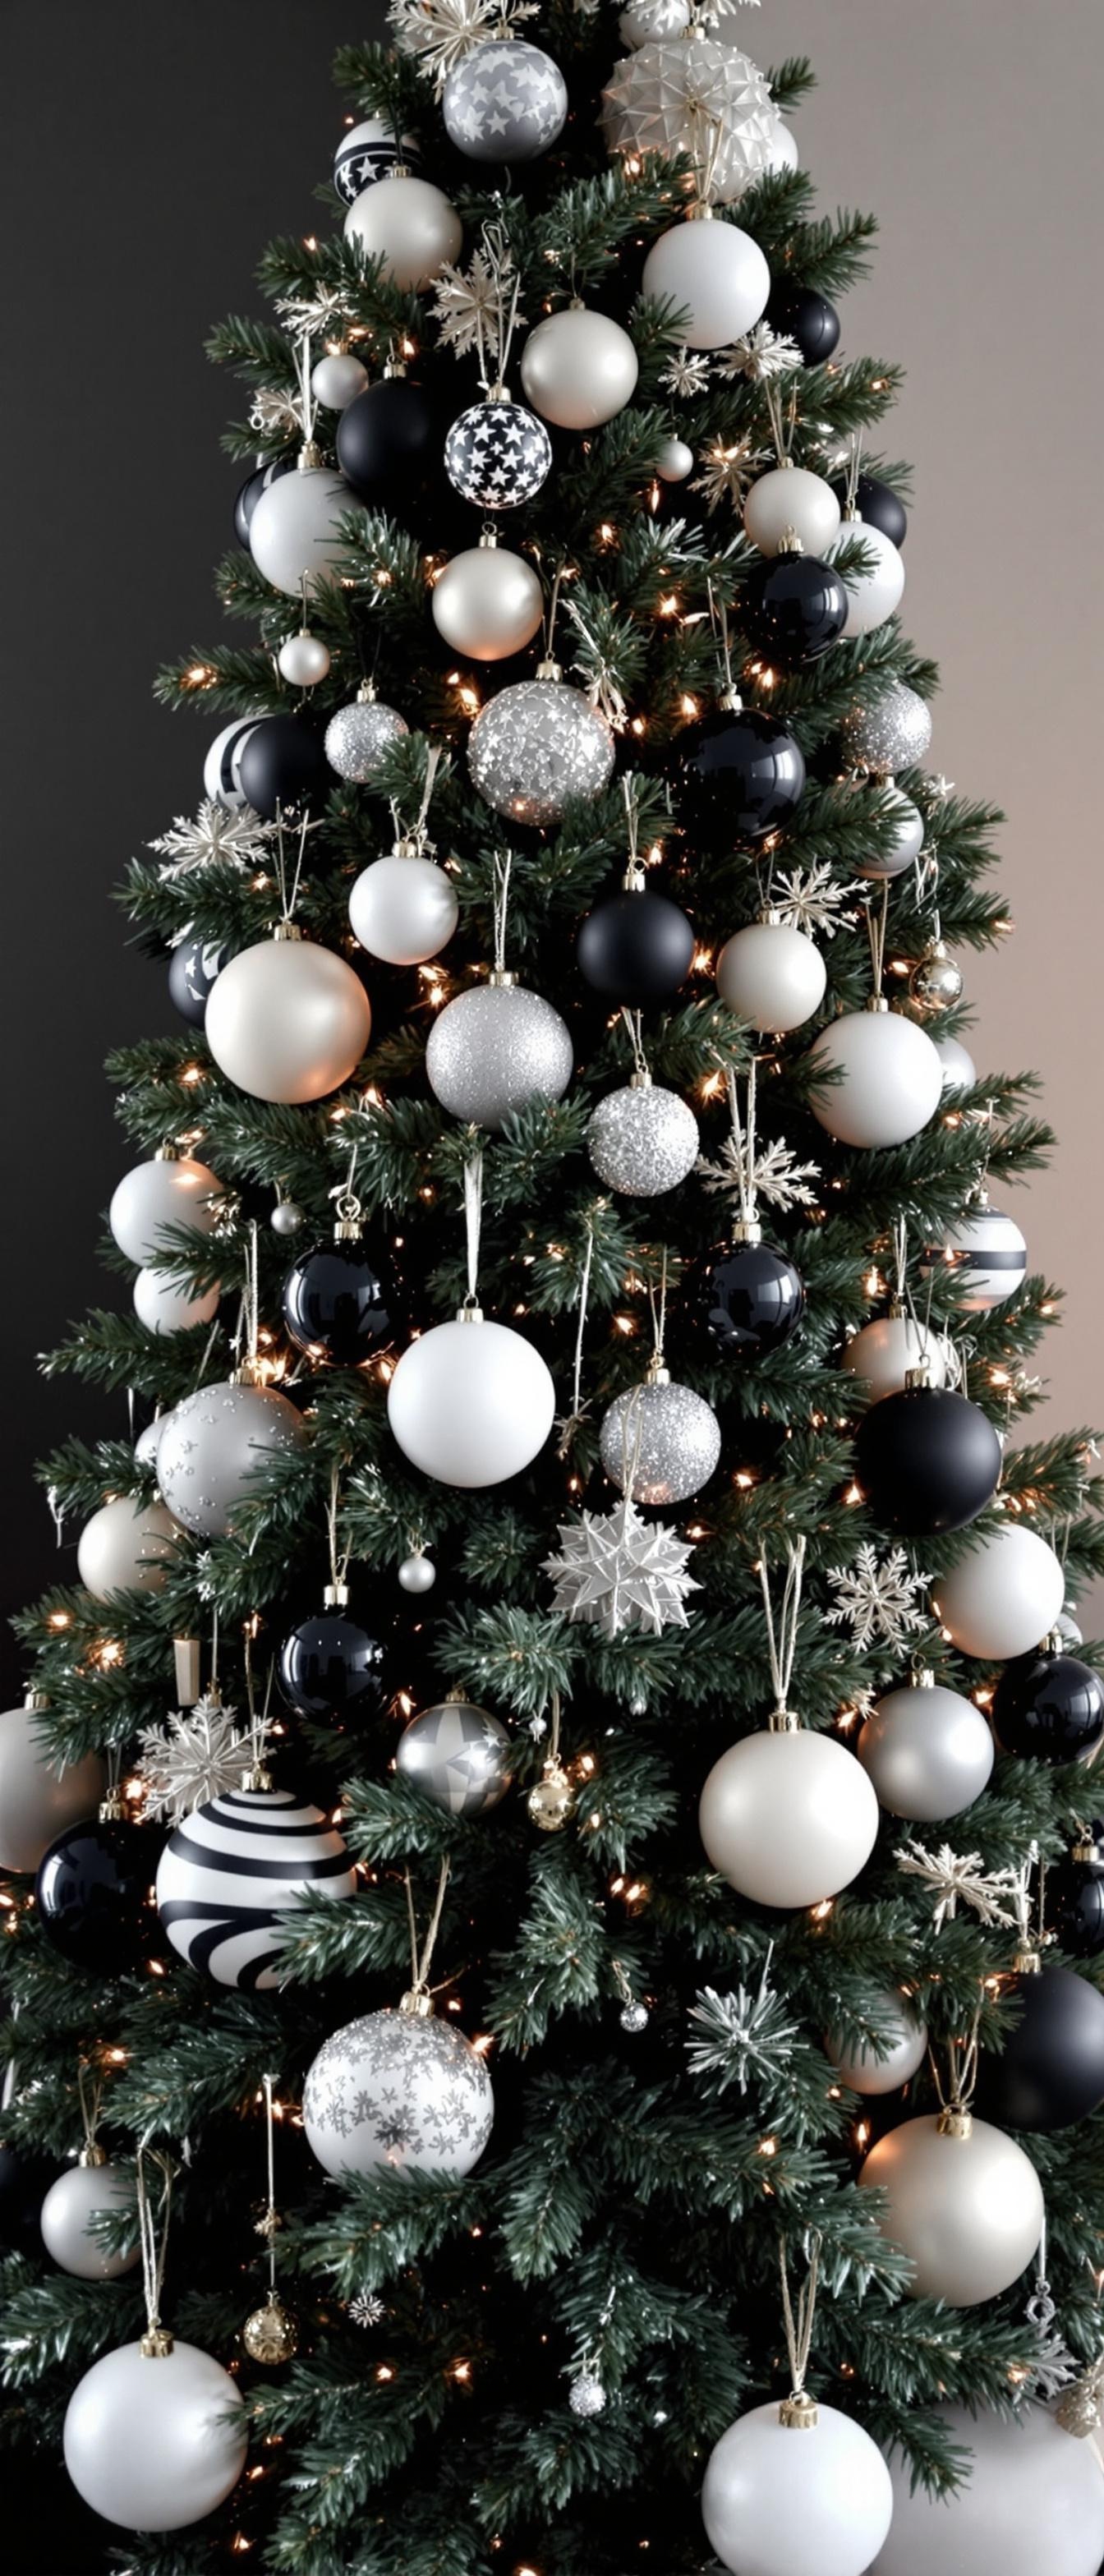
x=458, y=1755
x=643, y=1140
x=358, y=735
x=892, y=734
x=659, y=1441
x=538, y=744
x=936, y=979
x=212, y=1445
x=496, y=1048
x=399, y=2091
x=586, y=2395
x=506, y=101
x=696, y=95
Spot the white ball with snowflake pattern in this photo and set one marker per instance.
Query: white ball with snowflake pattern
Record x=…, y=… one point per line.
x=398, y=2090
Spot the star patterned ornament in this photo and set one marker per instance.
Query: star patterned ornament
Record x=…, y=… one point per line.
x=810, y=899
x=875, y=1600
x=745, y=2034
x=367, y=2308
x=702, y=97
x=778, y=1177
x=497, y=455
x=687, y=374
x=728, y=472
x=618, y=1571
x=504, y=101
x=221, y=836
x=200, y=1755
x=960, y=1878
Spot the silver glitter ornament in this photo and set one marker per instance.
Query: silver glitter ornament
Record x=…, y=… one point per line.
x=417, y=1573
x=213, y=1443
x=586, y=2395
x=643, y=1140
x=497, y=454
x=286, y=1217
x=666, y=1437
x=458, y=1755
x=693, y=93
x=936, y=980
x=398, y=2089
x=892, y=734
x=495, y=1049
x=358, y=735
x=538, y=744
x=506, y=101
x=634, y=2019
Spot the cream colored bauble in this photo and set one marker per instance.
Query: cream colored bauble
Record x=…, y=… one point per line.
x=904, y=2046
x=772, y=975
x=806, y=2499
x=891, y=1078
x=287, y=1020
x=37, y=1801
x=126, y=1547
x=70, y=2203
x=408, y=223
x=1030, y=2504
x=579, y=369
x=155, y=2444
x=788, y=1819
x=790, y=502
x=715, y=274
x=163, y=1305
x=403, y=908
x=293, y=532
x=172, y=1190
x=1004, y=1594
x=883, y=1352
x=703, y=97
x=782, y=151
x=471, y=1403
x=962, y=2201
x=873, y=596
x=487, y=602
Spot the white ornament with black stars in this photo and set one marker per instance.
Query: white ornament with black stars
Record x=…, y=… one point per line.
x=497, y=454
x=506, y=101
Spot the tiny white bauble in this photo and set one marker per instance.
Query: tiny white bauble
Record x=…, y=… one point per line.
x=233, y=1871
x=337, y=380
x=772, y=975
x=293, y=530
x=471, y=1403
x=126, y=1547
x=221, y=782
x=1032, y=2501
x=967, y=2209
x=535, y=746
x=873, y=595
x=986, y=1256
x=790, y=499
x=287, y=1020
x=884, y=1351
x=487, y=602
x=674, y=460
x=213, y=1443
x=891, y=1078
x=958, y=1067
x=495, y=1049
x=579, y=369
x=410, y=225
x=359, y=734
x=788, y=1819
x=644, y=20
x=811, y=2500
x=907, y=823
x=403, y=909
x=303, y=660
x=928, y=1750
x=665, y=1436
x=401, y=2091
x=155, y=2444
x=904, y=2043
x=170, y=1191
x=71, y=2201
x=505, y=100
x=37, y=1802
x=1003, y=1596
x=164, y=1305
x=417, y=1573
x=643, y=1140
x=716, y=275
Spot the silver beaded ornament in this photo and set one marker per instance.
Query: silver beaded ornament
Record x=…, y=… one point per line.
x=664, y=1438
x=538, y=744
x=496, y=1048
x=892, y=734
x=643, y=1140
x=458, y=1755
x=586, y=2395
x=358, y=735
x=212, y=1445
x=936, y=980
x=506, y=101
x=634, y=2018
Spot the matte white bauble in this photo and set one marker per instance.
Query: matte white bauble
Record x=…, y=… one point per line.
x=408, y=223
x=791, y=501
x=487, y=602
x=294, y=529
x=155, y=2444
x=145, y=1447
x=1032, y=2503
x=303, y=660
x=163, y=1305
x=170, y=1191
x=891, y=1078
x=644, y=20
x=403, y=909
x=785, y=2500
x=928, y=1750
x=716, y=275
x=37, y=1802
x=907, y=823
x=957, y=1064
x=883, y=1352
x=579, y=369
x=782, y=151
x=873, y=595
x=126, y=1547
x=966, y=2208
x=1003, y=1596
x=338, y=379
x=904, y=2045
x=471, y=1403
x=287, y=1020
x=674, y=460
x=212, y=1445
x=70, y=2203
x=220, y=769
x=788, y=1818
x=774, y=976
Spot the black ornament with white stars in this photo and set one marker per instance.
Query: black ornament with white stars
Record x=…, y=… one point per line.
x=497, y=455
x=927, y=1460
x=745, y=1297
x=331, y=1665
x=636, y=947
x=341, y=1300
x=792, y=607
x=740, y=775
x=1049, y=1707
x=368, y=152
x=193, y=968
x=800, y=313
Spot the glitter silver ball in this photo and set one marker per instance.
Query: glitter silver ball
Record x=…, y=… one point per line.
x=535, y=746
x=396, y=2091
x=892, y=734
x=634, y=2019
x=494, y=1049
x=211, y=1446
x=936, y=981
x=417, y=1573
x=586, y=2395
x=497, y=455
x=457, y=1755
x=286, y=1218
x=358, y=735
x=644, y=1141
x=672, y=1434
x=506, y=101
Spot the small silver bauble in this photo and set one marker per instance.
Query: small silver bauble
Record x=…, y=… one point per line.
x=458, y=1755
x=936, y=980
x=213, y=1443
x=674, y=460
x=506, y=101
x=894, y=733
x=358, y=735
x=495, y=1049
x=286, y=1217
x=586, y=2395
x=643, y=1140
x=337, y=380
x=497, y=454
x=538, y=744
x=634, y=2018
x=666, y=1436
x=417, y=1573
x=303, y=660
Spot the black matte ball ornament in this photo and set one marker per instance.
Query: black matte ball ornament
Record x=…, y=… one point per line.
x=388, y=443
x=332, y=1666
x=799, y=313
x=251, y=491
x=25, y=2179
x=1075, y=1902
x=877, y=505
x=791, y=608
x=283, y=764
x=342, y=1301
x=739, y=773
x=927, y=1460
x=193, y=967
x=637, y=947
x=1050, y=2071
x=747, y=1297
x=1050, y=1707
x=92, y=1894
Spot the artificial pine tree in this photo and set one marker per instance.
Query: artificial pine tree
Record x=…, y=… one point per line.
x=623, y=1139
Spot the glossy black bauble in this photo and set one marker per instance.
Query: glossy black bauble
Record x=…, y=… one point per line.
x=1051, y=1706
x=927, y=1460
x=251, y=491
x=193, y=967
x=1050, y=2071
x=282, y=764
x=791, y=608
x=800, y=314
x=635, y=948
x=341, y=1302
x=1075, y=1905
x=740, y=774
x=92, y=1894
x=747, y=1297
x=25, y=2179
x=878, y=504
x=331, y=1666
x=388, y=442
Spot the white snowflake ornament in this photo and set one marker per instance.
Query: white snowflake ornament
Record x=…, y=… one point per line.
x=619, y=1571
x=200, y=1755
x=221, y=836
x=876, y=1600
x=810, y=899
x=779, y=1178
x=746, y=2033
x=961, y=1878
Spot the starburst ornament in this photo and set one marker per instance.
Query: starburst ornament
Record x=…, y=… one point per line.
x=762, y=356
x=618, y=1571
x=472, y=304
x=745, y=2034
x=691, y=93
x=276, y=409
x=875, y=1600
x=811, y=899
x=728, y=472
x=779, y=1178
x=440, y=34
x=687, y=374
x=367, y=2309
x=961, y=1878
x=221, y=836
x=201, y=1754
x=324, y=313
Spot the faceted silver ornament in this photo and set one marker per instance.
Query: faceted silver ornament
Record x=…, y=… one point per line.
x=700, y=96
x=586, y=2395
x=458, y=1755
x=892, y=734
x=497, y=455
x=494, y=1049
x=358, y=735
x=535, y=746
x=396, y=2089
x=506, y=101
x=936, y=980
x=634, y=2018
x=665, y=1437
x=213, y=1444
x=643, y=1140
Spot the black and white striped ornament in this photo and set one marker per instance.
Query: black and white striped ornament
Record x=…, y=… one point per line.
x=368, y=152
x=231, y=1871
x=497, y=454
x=221, y=769
x=986, y=1256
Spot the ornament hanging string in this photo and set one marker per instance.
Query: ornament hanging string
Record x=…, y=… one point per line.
x=90, y=2096
x=347, y=1206
x=259, y=1724
x=962, y=2067
x=267, y=2226
x=412, y=840
x=799, y=2332
x=501, y=865
x=633, y=1023
x=852, y=472
x=307, y=406
x=552, y=1756
x=339, y=1558
x=782, y=1639
x=420, y=1960
x=718, y=618
x=876, y=921
x=289, y=901
x=744, y=1136
x=473, y=1223
x=156, y=2342
x=657, y=1309
x=552, y=612
x=572, y=1420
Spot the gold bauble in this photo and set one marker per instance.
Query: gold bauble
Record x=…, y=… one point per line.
x=552, y=1801
x=271, y=2334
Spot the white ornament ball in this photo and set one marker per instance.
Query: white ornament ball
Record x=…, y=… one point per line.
x=715, y=274
x=359, y=734
x=70, y=2203
x=782, y=151
x=294, y=528
x=213, y=1443
x=1003, y=1596
x=145, y=1447
x=873, y=595
x=644, y=20
x=579, y=368
x=884, y=1351
x=929, y=1752
x=163, y=1305
x=968, y=2211
x=494, y=1050
x=535, y=746
x=410, y=225
x=155, y=2444
x=303, y=660
x=417, y=1573
x=1032, y=2503
x=643, y=1140
x=231, y=1873
x=790, y=498
x=488, y=603
x=471, y=1403
x=169, y=1192
x=221, y=780
x=958, y=1067
x=772, y=975
x=674, y=460
x=907, y=823
x=337, y=380
x=904, y=2046
x=287, y=1020
x=393, y=2091
x=779, y=2500
x=788, y=1819
x=37, y=1802
x=669, y=96
x=126, y=1547
x=403, y=909
x=665, y=1439
x=891, y=1078
x=986, y=1255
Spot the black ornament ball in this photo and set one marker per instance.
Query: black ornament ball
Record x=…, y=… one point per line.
x=791, y=608
x=1050, y=1706
x=877, y=504
x=800, y=314
x=739, y=773
x=251, y=491
x=283, y=764
x=331, y=1666
x=635, y=948
x=748, y=1298
x=193, y=967
x=388, y=442
x=1075, y=1903
x=927, y=1460
x=342, y=1302
x=1050, y=2071
x=92, y=1894
x=25, y=2179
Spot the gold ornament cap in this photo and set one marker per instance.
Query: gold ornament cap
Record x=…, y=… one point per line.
x=156, y=2343
x=111, y=1809
x=501, y=979
x=166, y=1154
x=286, y=930
x=877, y=1002
x=799, y=2413
x=417, y=2004
x=92, y=2156
x=747, y=1229
x=271, y=2334
x=955, y=2122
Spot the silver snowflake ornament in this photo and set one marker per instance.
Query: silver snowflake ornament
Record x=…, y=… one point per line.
x=811, y=899
x=876, y=1600
x=778, y=1177
x=367, y=2308
x=961, y=1878
x=762, y=355
x=221, y=836
x=746, y=2033
x=324, y=313
x=472, y=304
x=619, y=1571
x=200, y=1755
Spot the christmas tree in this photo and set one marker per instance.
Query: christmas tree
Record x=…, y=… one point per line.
x=583, y=1640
